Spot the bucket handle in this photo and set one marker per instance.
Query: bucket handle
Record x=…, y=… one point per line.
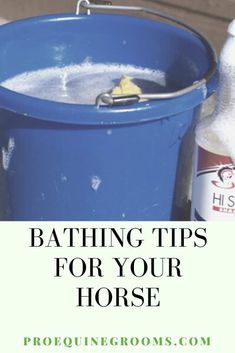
x=110, y=99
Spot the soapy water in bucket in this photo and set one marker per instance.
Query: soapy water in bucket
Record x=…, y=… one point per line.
x=81, y=84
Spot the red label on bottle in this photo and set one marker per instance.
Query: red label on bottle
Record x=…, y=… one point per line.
x=213, y=187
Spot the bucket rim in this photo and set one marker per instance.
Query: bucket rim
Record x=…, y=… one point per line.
x=89, y=114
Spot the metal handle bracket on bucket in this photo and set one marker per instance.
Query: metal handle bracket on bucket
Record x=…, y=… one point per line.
x=108, y=98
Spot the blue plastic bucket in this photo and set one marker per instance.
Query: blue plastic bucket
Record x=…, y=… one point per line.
x=77, y=162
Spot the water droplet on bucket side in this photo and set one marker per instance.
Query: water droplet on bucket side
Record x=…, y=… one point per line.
x=95, y=183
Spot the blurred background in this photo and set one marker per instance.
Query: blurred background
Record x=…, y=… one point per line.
x=209, y=16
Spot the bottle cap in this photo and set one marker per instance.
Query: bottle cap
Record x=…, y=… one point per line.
x=231, y=28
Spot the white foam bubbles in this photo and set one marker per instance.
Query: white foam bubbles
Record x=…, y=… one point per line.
x=77, y=84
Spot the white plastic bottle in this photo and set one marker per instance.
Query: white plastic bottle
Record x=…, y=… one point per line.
x=213, y=197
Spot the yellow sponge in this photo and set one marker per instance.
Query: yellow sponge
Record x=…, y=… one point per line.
x=126, y=86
